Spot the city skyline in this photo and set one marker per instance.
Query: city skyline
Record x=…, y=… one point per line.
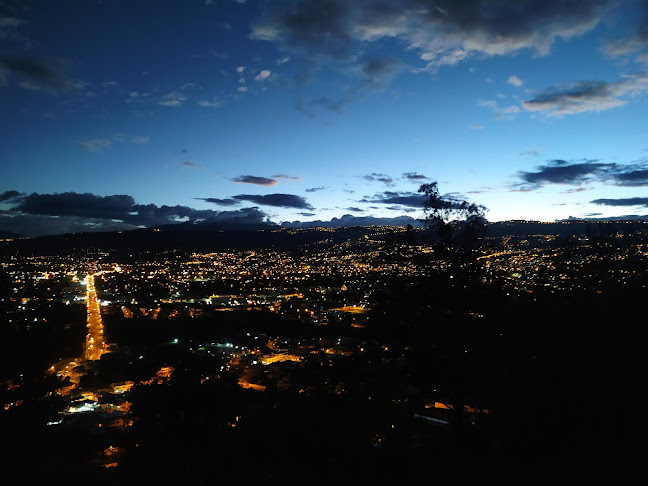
x=119, y=115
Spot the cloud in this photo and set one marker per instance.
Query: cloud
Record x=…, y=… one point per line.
x=630, y=201
x=444, y=32
x=99, y=144
x=375, y=177
x=189, y=163
x=214, y=103
x=283, y=60
x=317, y=189
x=533, y=153
x=583, y=172
x=501, y=112
x=410, y=199
x=308, y=107
x=263, y=75
x=9, y=196
x=240, y=69
x=632, y=45
x=242, y=89
x=95, y=144
x=277, y=200
x=259, y=181
x=515, y=81
x=44, y=74
x=476, y=127
x=90, y=212
x=10, y=22
x=377, y=69
x=585, y=96
x=220, y=202
x=633, y=175
x=174, y=98
x=413, y=176
x=563, y=172
x=287, y=177
x=355, y=209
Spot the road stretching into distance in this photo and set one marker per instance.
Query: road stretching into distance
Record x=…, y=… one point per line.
x=95, y=345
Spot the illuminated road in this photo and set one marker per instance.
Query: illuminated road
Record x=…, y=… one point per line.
x=95, y=346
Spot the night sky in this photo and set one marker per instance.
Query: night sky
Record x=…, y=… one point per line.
x=119, y=114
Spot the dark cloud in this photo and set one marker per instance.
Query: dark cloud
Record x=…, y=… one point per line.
x=587, y=96
x=41, y=74
x=533, y=153
x=89, y=212
x=442, y=32
x=277, y=200
x=413, y=176
x=259, y=181
x=355, y=209
x=632, y=177
x=316, y=189
x=563, y=172
x=630, y=201
x=379, y=69
x=76, y=204
x=582, y=172
x=343, y=35
x=309, y=107
x=410, y=199
x=189, y=163
x=9, y=195
x=375, y=177
x=220, y=202
x=305, y=214
x=38, y=69
x=633, y=45
x=318, y=25
x=284, y=176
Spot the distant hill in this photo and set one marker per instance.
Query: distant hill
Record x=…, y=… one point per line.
x=562, y=228
x=206, y=238
x=9, y=234
x=350, y=220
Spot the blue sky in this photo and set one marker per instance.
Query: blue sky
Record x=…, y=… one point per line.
x=119, y=114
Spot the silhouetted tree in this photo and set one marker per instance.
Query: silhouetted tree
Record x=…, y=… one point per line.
x=457, y=222
x=458, y=225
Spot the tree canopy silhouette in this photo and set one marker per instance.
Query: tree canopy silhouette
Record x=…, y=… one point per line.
x=446, y=214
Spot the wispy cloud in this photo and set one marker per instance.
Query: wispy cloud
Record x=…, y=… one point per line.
x=100, y=144
x=257, y=180
x=515, y=81
x=414, y=176
x=375, y=177
x=501, y=112
x=174, y=98
x=585, y=96
x=263, y=75
x=214, y=103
